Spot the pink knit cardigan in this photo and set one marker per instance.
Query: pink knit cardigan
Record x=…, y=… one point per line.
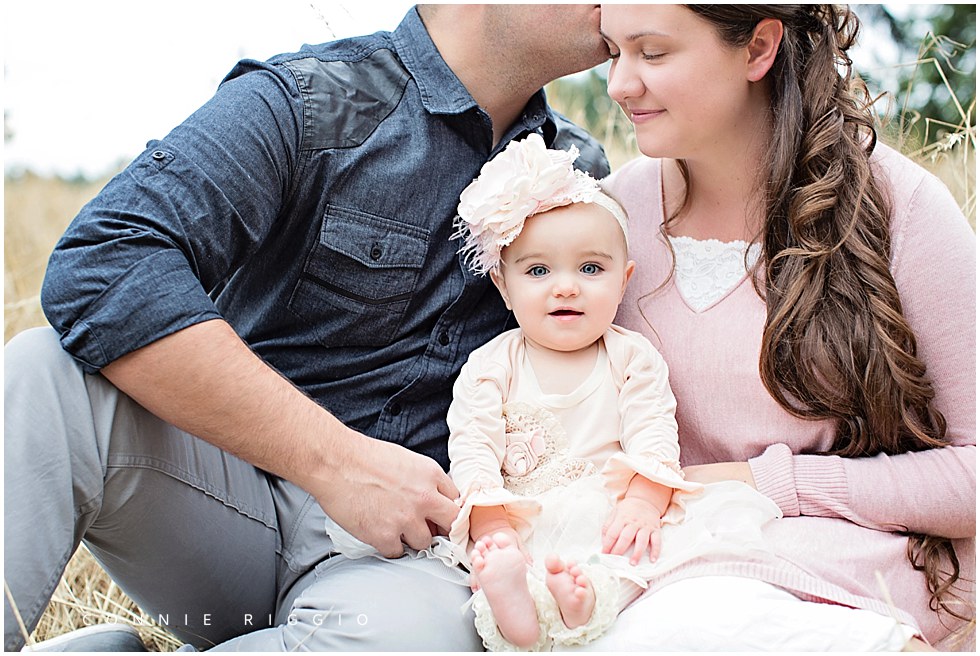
x=841, y=515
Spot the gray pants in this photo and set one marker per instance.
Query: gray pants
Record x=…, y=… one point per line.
x=222, y=553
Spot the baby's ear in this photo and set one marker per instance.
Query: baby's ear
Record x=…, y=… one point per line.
x=498, y=282
x=628, y=273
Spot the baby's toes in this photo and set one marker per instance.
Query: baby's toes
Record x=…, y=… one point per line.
x=501, y=540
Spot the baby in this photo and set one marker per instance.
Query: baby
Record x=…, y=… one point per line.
x=563, y=441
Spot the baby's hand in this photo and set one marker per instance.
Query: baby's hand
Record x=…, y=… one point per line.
x=634, y=523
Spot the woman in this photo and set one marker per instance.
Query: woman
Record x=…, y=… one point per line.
x=813, y=294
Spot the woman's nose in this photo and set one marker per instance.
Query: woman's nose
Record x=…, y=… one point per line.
x=621, y=82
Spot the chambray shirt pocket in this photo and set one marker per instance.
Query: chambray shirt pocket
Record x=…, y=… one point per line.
x=359, y=278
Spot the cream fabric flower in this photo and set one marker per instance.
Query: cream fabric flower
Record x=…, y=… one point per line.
x=525, y=179
x=522, y=452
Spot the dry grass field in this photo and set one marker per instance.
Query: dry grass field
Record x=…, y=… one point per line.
x=36, y=212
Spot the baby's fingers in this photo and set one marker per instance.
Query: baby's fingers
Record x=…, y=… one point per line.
x=655, y=544
x=626, y=537
x=640, y=546
x=610, y=533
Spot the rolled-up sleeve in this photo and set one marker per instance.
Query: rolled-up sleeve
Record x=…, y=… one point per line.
x=139, y=261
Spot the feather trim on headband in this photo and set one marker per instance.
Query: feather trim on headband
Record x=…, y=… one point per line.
x=525, y=179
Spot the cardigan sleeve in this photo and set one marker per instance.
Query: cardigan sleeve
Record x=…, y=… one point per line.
x=933, y=491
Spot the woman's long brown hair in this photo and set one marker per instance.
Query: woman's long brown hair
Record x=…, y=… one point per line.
x=836, y=344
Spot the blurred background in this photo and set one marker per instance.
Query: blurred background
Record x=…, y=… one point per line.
x=86, y=85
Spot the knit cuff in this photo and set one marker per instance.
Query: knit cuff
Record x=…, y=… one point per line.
x=821, y=485
x=773, y=474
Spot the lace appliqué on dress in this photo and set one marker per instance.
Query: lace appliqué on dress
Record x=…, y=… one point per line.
x=552, y=467
x=706, y=270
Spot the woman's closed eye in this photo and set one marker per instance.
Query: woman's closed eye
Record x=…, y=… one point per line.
x=613, y=50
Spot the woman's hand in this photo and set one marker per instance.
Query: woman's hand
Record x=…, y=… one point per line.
x=635, y=523
x=720, y=471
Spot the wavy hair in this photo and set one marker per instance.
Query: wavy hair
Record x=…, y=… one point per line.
x=836, y=344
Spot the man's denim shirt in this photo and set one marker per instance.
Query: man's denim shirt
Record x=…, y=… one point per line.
x=309, y=204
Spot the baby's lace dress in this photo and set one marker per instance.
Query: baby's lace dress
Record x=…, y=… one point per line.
x=575, y=503
x=572, y=496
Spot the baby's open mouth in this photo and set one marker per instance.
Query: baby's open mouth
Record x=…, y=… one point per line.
x=566, y=313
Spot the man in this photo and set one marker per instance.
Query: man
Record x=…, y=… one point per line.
x=276, y=277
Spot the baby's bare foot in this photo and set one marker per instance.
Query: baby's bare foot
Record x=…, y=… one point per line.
x=499, y=567
x=571, y=589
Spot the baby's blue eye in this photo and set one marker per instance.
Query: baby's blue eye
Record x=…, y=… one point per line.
x=537, y=271
x=591, y=269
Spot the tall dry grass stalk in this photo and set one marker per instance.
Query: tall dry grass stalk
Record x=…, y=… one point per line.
x=948, y=150
x=37, y=211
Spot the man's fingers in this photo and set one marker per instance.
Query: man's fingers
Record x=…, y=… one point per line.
x=446, y=487
x=390, y=548
x=403, y=498
x=418, y=537
x=442, y=512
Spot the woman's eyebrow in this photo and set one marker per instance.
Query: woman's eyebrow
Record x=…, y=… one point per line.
x=636, y=35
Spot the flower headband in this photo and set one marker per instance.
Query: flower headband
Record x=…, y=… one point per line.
x=525, y=179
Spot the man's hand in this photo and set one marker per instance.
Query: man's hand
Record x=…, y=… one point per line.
x=386, y=495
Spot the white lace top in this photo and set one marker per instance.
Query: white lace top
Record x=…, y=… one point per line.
x=706, y=270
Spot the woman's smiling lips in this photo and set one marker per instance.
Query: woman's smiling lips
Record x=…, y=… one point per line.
x=643, y=115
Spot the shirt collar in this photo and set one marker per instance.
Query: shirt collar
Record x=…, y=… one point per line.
x=441, y=90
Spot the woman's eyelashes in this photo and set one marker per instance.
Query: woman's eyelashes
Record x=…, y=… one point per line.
x=645, y=56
